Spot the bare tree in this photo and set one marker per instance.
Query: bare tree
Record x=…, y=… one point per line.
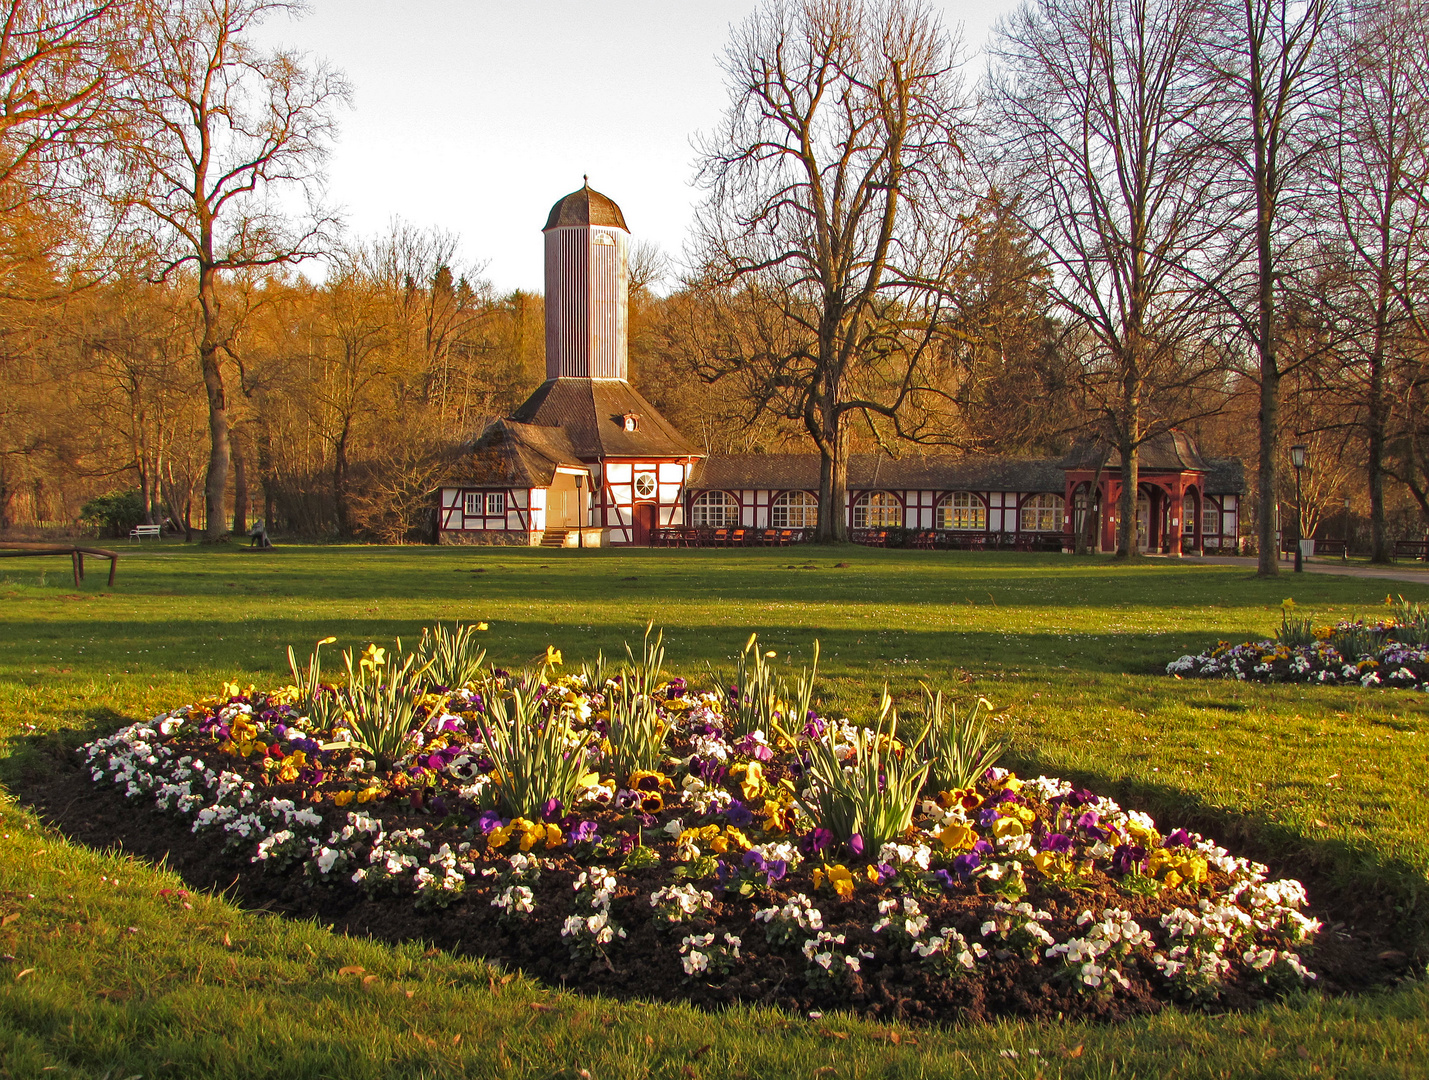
x=231, y=141
x=826, y=227
x=1101, y=114
x=1375, y=179
x=1269, y=57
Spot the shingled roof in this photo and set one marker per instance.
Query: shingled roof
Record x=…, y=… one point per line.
x=1225, y=476
x=1170, y=451
x=869, y=472
x=513, y=455
x=591, y=413
x=585, y=207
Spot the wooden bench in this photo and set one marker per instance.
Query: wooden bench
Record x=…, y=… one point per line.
x=146, y=532
x=1330, y=548
x=1412, y=549
x=76, y=554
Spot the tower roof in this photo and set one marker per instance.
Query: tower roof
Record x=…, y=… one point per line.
x=586, y=207
x=592, y=415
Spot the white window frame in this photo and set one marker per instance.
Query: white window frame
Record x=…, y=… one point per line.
x=794, y=510
x=496, y=504
x=962, y=511
x=714, y=510
x=646, y=478
x=472, y=502
x=1210, y=517
x=1042, y=513
x=877, y=510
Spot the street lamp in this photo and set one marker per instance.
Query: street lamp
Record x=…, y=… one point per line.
x=1297, y=458
x=580, y=511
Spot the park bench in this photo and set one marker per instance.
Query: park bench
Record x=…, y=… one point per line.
x=10, y=550
x=146, y=532
x=1330, y=548
x=1411, y=549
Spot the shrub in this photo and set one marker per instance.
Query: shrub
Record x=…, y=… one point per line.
x=117, y=512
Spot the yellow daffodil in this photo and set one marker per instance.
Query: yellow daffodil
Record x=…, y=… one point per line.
x=327, y=641
x=553, y=656
x=482, y=626
x=373, y=657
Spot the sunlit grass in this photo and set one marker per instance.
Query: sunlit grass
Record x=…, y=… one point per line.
x=1326, y=779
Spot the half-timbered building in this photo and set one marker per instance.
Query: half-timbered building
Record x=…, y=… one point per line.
x=587, y=461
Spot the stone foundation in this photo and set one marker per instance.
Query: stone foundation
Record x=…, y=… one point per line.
x=488, y=538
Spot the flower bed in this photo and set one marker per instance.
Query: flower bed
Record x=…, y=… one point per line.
x=1384, y=652
x=697, y=855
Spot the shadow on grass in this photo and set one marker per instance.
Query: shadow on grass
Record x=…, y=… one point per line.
x=781, y=575
x=259, y=644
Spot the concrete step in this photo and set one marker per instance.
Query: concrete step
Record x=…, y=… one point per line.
x=554, y=538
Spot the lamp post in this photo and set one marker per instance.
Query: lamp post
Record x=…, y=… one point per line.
x=580, y=511
x=1297, y=458
x=1345, y=551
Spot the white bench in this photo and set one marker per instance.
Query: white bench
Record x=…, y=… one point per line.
x=152, y=532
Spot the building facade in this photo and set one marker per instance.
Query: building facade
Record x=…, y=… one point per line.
x=587, y=461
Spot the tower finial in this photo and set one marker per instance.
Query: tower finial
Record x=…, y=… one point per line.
x=586, y=178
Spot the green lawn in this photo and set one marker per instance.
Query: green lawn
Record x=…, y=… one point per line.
x=121, y=980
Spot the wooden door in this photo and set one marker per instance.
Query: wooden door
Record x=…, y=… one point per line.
x=646, y=517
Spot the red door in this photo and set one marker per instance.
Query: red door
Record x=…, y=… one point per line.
x=646, y=516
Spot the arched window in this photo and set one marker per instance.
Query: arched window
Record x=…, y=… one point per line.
x=715, y=509
x=962, y=510
x=877, y=510
x=794, y=510
x=1042, y=513
x=1188, y=513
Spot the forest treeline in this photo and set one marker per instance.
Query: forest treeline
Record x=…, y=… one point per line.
x=1144, y=214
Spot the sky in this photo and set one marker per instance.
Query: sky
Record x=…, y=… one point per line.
x=475, y=116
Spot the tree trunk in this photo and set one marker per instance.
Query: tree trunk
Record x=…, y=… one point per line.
x=1377, y=418
x=1127, y=504
x=339, y=484
x=240, y=486
x=216, y=483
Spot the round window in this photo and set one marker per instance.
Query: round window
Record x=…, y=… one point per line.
x=645, y=484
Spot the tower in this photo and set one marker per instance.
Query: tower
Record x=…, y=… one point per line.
x=587, y=288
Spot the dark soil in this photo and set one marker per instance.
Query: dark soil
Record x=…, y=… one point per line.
x=647, y=964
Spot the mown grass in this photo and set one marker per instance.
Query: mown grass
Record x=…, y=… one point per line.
x=1326, y=781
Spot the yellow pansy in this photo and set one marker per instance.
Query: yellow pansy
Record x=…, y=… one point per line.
x=342, y=798
x=957, y=837
x=1007, y=826
x=838, y=877
x=1050, y=862
x=753, y=782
